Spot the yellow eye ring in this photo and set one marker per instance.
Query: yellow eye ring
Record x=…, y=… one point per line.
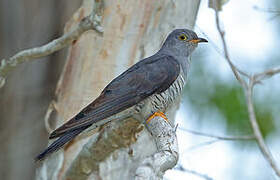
x=183, y=37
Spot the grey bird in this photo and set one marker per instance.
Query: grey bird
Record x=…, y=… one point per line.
x=147, y=89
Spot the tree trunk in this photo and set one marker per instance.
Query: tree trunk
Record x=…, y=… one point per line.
x=30, y=87
x=132, y=30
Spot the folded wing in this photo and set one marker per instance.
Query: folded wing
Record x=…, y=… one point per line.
x=152, y=75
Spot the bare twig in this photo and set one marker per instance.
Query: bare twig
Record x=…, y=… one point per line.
x=234, y=69
x=206, y=143
x=90, y=22
x=269, y=10
x=248, y=90
x=224, y=138
x=204, y=176
x=266, y=74
x=256, y=129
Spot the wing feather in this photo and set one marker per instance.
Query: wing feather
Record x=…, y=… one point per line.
x=149, y=76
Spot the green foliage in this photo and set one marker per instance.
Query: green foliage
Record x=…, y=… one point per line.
x=230, y=102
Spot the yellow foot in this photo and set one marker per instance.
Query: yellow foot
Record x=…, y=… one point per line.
x=161, y=114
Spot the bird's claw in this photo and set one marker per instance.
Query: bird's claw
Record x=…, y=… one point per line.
x=159, y=113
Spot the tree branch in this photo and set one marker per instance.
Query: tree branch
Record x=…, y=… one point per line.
x=112, y=137
x=256, y=129
x=248, y=90
x=224, y=138
x=199, y=145
x=266, y=74
x=234, y=69
x=154, y=166
x=204, y=176
x=90, y=22
x=123, y=134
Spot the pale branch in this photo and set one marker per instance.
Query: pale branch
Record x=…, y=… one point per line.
x=266, y=74
x=90, y=22
x=190, y=171
x=119, y=135
x=220, y=52
x=101, y=146
x=207, y=143
x=234, y=69
x=154, y=166
x=248, y=90
x=256, y=129
x=270, y=10
x=224, y=138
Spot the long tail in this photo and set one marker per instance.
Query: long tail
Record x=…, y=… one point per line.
x=57, y=144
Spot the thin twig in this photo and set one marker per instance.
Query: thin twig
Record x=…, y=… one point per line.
x=256, y=129
x=219, y=51
x=199, y=145
x=248, y=89
x=204, y=176
x=266, y=74
x=90, y=22
x=224, y=138
x=269, y=10
x=234, y=69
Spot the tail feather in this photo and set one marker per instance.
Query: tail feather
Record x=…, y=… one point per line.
x=61, y=141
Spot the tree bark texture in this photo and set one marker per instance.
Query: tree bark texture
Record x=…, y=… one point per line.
x=30, y=87
x=132, y=30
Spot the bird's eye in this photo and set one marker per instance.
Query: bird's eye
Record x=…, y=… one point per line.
x=183, y=37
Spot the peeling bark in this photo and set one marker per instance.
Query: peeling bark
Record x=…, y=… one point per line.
x=132, y=30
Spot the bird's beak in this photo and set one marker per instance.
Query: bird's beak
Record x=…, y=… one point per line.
x=198, y=40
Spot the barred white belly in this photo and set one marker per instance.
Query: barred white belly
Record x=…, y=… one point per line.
x=163, y=101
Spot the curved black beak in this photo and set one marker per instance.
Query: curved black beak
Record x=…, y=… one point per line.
x=198, y=40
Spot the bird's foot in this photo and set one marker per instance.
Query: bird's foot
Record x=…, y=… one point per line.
x=159, y=113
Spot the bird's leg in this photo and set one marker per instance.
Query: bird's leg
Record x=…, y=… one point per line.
x=159, y=113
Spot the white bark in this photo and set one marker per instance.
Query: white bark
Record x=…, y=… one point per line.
x=132, y=30
x=29, y=87
x=166, y=157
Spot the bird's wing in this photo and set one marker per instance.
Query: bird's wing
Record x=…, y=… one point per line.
x=58, y=143
x=149, y=76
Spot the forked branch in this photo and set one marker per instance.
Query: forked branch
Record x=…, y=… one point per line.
x=248, y=90
x=90, y=22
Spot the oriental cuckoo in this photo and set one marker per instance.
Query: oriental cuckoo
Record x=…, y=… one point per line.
x=147, y=89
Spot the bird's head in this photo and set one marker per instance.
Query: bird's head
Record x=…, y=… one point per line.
x=182, y=41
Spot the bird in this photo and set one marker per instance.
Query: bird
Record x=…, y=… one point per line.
x=147, y=89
